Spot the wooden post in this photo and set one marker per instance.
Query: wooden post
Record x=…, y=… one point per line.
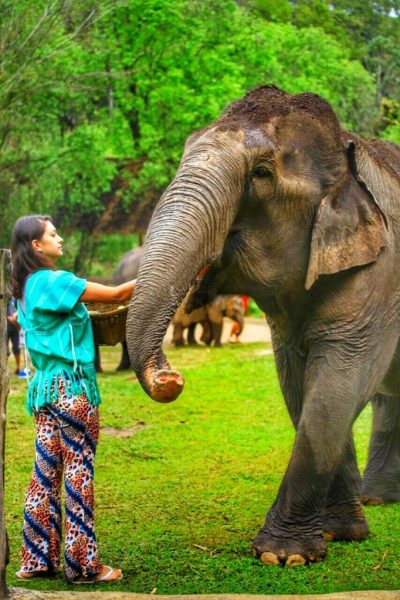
x=5, y=256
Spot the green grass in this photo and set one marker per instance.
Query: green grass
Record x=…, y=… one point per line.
x=179, y=502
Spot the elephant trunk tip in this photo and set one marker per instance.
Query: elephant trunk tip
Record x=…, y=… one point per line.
x=165, y=385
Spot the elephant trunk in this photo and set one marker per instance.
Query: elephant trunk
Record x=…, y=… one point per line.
x=187, y=230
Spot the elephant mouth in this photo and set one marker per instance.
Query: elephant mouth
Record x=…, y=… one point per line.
x=201, y=293
x=204, y=269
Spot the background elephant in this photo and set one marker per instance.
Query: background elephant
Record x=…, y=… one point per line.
x=211, y=317
x=126, y=269
x=183, y=320
x=128, y=266
x=274, y=201
x=224, y=306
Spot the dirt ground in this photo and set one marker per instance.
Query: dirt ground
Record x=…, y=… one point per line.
x=21, y=594
x=255, y=330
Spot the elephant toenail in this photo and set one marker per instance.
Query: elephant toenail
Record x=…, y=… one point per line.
x=269, y=558
x=295, y=560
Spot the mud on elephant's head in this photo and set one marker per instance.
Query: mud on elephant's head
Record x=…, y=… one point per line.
x=268, y=197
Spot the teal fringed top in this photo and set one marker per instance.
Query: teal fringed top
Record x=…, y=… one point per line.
x=59, y=337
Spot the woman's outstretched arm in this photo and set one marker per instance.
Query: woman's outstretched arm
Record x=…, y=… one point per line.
x=96, y=292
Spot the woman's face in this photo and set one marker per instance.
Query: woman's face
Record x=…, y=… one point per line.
x=50, y=244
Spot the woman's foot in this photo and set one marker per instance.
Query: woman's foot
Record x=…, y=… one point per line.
x=106, y=575
x=33, y=574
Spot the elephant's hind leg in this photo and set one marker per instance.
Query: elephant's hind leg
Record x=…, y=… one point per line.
x=343, y=517
x=381, y=481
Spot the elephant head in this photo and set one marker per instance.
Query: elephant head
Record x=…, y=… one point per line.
x=266, y=200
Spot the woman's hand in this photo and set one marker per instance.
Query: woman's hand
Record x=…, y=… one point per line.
x=96, y=292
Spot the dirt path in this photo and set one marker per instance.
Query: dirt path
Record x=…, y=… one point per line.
x=255, y=330
x=21, y=594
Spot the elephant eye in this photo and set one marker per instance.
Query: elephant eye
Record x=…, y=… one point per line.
x=261, y=172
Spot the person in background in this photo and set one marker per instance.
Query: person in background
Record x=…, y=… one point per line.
x=13, y=335
x=63, y=398
x=234, y=336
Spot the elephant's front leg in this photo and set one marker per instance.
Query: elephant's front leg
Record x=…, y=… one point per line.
x=343, y=516
x=177, y=335
x=216, y=329
x=191, y=338
x=293, y=531
x=381, y=481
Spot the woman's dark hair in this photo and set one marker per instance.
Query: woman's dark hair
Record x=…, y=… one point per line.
x=25, y=259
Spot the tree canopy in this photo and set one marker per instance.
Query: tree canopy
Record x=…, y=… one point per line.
x=98, y=96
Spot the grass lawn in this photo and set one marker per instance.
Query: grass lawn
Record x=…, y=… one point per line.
x=182, y=488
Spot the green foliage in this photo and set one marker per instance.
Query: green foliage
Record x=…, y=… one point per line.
x=392, y=133
x=390, y=116
x=313, y=61
x=179, y=501
x=369, y=30
x=109, y=250
x=105, y=255
x=173, y=55
x=98, y=97
x=272, y=10
x=44, y=159
x=254, y=311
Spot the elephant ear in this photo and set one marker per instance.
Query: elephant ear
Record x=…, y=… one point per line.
x=349, y=229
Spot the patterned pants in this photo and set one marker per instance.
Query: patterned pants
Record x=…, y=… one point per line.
x=66, y=439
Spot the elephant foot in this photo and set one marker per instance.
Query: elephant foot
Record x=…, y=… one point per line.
x=342, y=525
x=289, y=551
x=381, y=489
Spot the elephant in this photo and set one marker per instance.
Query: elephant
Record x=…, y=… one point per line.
x=183, y=320
x=128, y=266
x=211, y=317
x=381, y=480
x=274, y=200
x=127, y=269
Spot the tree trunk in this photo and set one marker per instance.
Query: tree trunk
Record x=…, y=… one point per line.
x=5, y=256
x=85, y=254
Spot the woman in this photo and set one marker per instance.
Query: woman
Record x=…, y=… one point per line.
x=64, y=398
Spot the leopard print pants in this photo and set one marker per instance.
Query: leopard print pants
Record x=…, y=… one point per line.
x=66, y=438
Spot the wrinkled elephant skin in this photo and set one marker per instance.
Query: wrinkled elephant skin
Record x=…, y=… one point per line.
x=305, y=219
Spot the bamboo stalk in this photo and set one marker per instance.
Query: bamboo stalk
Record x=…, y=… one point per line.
x=5, y=256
